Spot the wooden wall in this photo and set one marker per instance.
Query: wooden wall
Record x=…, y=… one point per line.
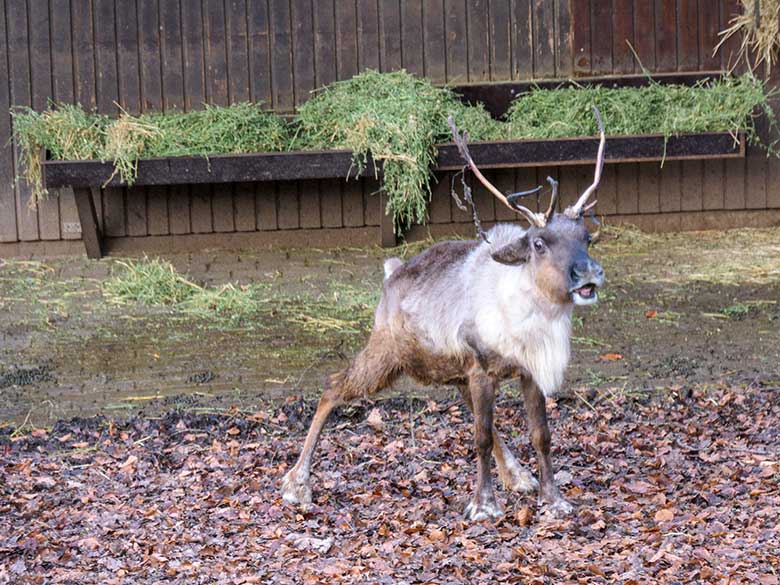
x=150, y=55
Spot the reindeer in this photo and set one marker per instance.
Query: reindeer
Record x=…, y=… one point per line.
x=474, y=313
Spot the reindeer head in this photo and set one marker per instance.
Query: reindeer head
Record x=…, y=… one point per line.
x=555, y=246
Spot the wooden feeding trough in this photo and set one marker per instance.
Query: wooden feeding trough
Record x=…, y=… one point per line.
x=84, y=176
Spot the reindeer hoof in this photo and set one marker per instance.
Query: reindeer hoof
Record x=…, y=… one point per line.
x=295, y=490
x=559, y=508
x=483, y=509
x=519, y=479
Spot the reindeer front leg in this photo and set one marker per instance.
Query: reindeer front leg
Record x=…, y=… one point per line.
x=482, y=388
x=536, y=412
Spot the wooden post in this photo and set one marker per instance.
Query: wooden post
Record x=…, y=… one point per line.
x=90, y=232
x=386, y=228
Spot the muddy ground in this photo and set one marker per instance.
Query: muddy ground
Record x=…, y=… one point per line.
x=677, y=309
x=145, y=444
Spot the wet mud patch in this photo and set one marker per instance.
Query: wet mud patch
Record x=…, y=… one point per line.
x=692, y=315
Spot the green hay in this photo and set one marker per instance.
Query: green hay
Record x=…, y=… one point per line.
x=398, y=119
x=66, y=131
x=731, y=104
x=152, y=282
x=156, y=283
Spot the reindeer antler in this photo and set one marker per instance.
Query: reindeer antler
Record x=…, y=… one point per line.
x=536, y=219
x=578, y=209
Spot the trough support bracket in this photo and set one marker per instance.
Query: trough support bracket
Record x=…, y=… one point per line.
x=387, y=237
x=90, y=230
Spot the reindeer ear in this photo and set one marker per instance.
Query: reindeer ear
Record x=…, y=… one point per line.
x=513, y=253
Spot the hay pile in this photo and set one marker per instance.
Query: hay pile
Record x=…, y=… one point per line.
x=394, y=117
x=758, y=25
x=730, y=104
x=398, y=119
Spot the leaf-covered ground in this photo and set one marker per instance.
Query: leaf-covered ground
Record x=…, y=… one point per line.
x=678, y=488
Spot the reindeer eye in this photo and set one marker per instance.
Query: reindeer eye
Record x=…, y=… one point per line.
x=589, y=239
x=539, y=245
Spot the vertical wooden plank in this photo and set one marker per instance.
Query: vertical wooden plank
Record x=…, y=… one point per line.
x=289, y=215
x=259, y=53
x=505, y=182
x=691, y=184
x=201, y=221
x=729, y=49
x=735, y=184
x=303, y=50
x=193, y=53
x=484, y=200
x=222, y=207
x=713, y=183
x=281, y=56
x=628, y=191
x=688, y=34
x=352, y=212
x=649, y=183
x=42, y=92
x=372, y=205
x=8, y=231
x=412, y=36
x=128, y=56
x=266, y=206
x=499, y=34
x=387, y=238
x=173, y=66
x=368, y=34
x=63, y=57
x=607, y=192
x=150, y=51
x=218, y=93
x=83, y=54
x=581, y=41
x=709, y=26
x=434, y=41
x=622, y=34
x=157, y=208
x=544, y=39
x=237, y=50
x=671, y=177
x=309, y=204
x=601, y=37
x=478, y=18
x=666, y=35
x=456, y=35
x=440, y=198
x=21, y=95
x=246, y=211
x=645, y=34
x=331, y=203
x=84, y=70
x=325, y=73
x=564, y=64
x=346, y=39
x=172, y=60
x=755, y=179
x=216, y=52
x=773, y=184
x=390, y=35
x=129, y=79
x=106, y=60
x=324, y=43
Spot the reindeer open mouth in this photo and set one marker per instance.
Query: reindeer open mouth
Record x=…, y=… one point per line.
x=586, y=294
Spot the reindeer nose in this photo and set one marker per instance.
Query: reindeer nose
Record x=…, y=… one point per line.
x=586, y=268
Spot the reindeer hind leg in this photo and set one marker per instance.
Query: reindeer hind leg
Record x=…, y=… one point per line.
x=370, y=372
